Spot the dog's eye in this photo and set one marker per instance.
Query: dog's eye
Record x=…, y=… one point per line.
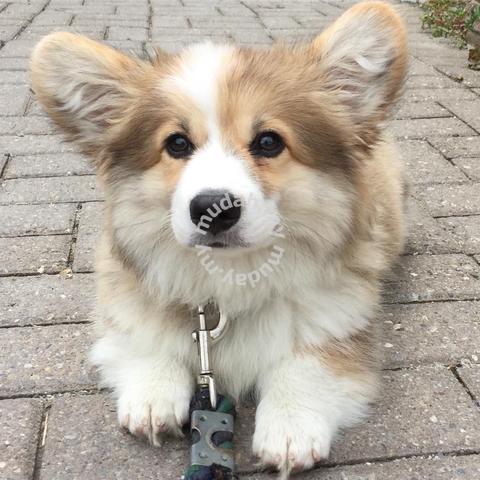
x=179, y=146
x=267, y=144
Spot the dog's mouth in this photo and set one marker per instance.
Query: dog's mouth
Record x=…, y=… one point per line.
x=219, y=242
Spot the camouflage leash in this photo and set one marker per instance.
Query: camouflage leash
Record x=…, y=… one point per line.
x=211, y=415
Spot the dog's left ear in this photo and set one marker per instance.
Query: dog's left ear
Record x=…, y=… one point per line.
x=84, y=86
x=363, y=60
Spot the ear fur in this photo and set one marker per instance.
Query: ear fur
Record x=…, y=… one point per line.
x=363, y=57
x=84, y=86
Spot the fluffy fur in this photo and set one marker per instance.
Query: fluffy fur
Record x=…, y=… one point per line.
x=302, y=338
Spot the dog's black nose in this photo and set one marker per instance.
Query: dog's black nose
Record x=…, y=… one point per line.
x=215, y=211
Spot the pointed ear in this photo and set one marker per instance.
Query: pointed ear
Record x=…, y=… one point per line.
x=363, y=57
x=84, y=86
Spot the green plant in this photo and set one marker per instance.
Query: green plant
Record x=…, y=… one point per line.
x=451, y=18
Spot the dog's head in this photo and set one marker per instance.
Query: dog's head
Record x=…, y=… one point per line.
x=217, y=145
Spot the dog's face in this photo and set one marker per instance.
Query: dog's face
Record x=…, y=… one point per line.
x=220, y=145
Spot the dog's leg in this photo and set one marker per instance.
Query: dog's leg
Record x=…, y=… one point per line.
x=303, y=402
x=152, y=386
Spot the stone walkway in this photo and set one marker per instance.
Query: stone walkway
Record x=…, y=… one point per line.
x=55, y=424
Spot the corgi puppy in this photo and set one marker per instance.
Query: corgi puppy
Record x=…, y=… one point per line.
x=262, y=180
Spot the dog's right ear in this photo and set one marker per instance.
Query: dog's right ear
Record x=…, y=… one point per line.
x=84, y=86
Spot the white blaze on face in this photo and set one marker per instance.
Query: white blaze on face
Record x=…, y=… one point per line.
x=213, y=166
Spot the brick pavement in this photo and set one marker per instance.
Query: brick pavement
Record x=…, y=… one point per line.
x=55, y=423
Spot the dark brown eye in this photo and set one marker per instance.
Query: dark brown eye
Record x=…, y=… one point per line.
x=267, y=144
x=179, y=146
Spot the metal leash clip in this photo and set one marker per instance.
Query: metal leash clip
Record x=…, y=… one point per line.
x=212, y=415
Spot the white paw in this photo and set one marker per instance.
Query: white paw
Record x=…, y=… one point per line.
x=150, y=411
x=290, y=440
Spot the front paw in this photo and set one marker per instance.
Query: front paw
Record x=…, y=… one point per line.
x=290, y=439
x=150, y=411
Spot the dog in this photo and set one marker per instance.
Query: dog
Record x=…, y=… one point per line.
x=210, y=160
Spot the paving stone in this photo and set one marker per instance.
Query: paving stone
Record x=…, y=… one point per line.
x=3, y=161
x=18, y=220
x=20, y=421
x=450, y=200
x=46, y=299
x=16, y=63
x=424, y=410
x=127, y=33
x=444, y=332
x=33, y=254
x=430, y=81
x=52, y=164
x=88, y=424
x=469, y=166
x=467, y=77
x=29, y=144
x=90, y=220
x=438, y=94
x=453, y=147
x=468, y=111
x=438, y=467
x=53, y=189
x=14, y=77
x=464, y=231
x=420, y=110
x=13, y=99
x=17, y=48
x=426, y=234
x=471, y=376
x=425, y=165
x=45, y=359
x=421, y=128
x=21, y=126
x=434, y=277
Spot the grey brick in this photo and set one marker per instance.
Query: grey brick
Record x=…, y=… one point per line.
x=90, y=220
x=438, y=94
x=453, y=147
x=21, y=126
x=469, y=166
x=46, y=190
x=33, y=254
x=88, y=424
x=444, y=332
x=13, y=99
x=423, y=410
x=464, y=231
x=471, y=376
x=468, y=111
x=46, y=299
x=18, y=220
x=421, y=128
x=127, y=33
x=420, y=110
x=439, y=467
x=425, y=234
x=430, y=81
x=52, y=164
x=434, y=277
x=3, y=161
x=29, y=144
x=44, y=359
x=450, y=200
x=14, y=77
x=463, y=74
x=16, y=63
x=17, y=48
x=19, y=428
x=425, y=165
